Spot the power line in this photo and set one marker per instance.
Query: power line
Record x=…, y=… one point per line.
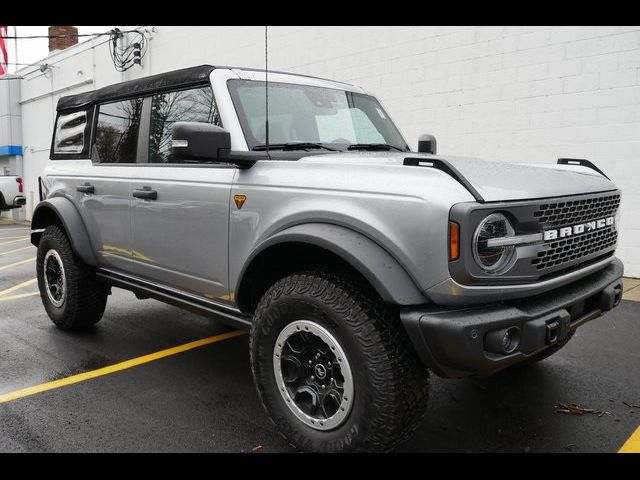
x=70, y=35
x=123, y=57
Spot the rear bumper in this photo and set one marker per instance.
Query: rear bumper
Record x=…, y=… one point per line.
x=457, y=342
x=17, y=202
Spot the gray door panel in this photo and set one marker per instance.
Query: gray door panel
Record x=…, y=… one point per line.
x=181, y=238
x=106, y=213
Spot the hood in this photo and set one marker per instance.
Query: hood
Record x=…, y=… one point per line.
x=493, y=181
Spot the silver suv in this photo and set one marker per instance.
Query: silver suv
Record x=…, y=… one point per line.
x=357, y=264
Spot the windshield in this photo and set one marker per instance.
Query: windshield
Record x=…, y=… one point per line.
x=312, y=115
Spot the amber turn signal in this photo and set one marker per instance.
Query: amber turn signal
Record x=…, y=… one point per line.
x=454, y=241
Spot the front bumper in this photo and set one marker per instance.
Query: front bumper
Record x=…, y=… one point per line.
x=453, y=342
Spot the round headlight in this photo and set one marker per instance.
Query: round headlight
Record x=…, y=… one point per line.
x=493, y=258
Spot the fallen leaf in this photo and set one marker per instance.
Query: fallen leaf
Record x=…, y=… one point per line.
x=575, y=409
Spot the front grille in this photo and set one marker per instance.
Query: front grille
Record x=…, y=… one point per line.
x=575, y=248
x=582, y=247
x=564, y=214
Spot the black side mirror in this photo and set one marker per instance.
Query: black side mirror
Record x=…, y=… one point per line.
x=427, y=144
x=198, y=141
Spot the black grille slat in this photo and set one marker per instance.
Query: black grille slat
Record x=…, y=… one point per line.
x=553, y=215
x=572, y=250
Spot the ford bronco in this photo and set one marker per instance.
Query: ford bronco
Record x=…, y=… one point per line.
x=357, y=264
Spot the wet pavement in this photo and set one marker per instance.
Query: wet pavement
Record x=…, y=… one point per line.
x=204, y=400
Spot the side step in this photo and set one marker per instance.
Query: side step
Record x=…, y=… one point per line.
x=146, y=289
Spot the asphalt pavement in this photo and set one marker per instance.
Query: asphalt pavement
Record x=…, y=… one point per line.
x=56, y=394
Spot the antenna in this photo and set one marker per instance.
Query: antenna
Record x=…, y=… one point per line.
x=266, y=88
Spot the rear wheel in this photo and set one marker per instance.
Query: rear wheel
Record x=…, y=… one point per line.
x=333, y=367
x=70, y=292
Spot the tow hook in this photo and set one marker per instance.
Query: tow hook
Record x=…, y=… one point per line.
x=553, y=331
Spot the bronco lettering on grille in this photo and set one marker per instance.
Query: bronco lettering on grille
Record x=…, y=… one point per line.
x=578, y=229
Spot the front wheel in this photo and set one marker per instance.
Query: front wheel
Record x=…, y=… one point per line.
x=333, y=367
x=70, y=293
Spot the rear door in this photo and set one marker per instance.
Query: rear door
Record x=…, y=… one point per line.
x=180, y=212
x=101, y=188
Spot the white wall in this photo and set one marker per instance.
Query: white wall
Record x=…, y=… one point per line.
x=516, y=94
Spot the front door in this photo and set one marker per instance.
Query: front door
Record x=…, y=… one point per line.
x=180, y=211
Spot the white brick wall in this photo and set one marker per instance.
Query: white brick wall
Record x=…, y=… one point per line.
x=509, y=93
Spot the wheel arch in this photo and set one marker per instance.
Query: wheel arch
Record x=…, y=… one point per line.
x=314, y=245
x=63, y=213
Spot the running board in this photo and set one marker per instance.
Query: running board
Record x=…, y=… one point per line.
x=172, y=296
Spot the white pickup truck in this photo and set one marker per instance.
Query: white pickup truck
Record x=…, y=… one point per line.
x=11, y=192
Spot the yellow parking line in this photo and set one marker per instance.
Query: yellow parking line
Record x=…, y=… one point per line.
x=18, y=297
x=20, y=239
x=16, y=250
x=134, y=362
x=22, y=262
x=13, y=229
x=632, y=445
x=19, y=286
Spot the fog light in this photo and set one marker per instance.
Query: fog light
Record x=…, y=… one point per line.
x=503, y=341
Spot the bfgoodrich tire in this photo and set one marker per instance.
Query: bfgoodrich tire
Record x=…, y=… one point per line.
x=333, y=367
x=72, y=296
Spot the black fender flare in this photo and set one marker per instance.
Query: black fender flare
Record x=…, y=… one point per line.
x=71, y=221
x=386, y=275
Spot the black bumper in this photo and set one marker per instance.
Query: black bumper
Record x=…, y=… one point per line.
x=456, y=342
x=17, y=202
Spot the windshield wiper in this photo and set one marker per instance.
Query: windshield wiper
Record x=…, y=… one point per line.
x=374, y=146
x=293, y=146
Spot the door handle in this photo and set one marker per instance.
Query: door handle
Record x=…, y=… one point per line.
x=146, y=194
x=86, y=188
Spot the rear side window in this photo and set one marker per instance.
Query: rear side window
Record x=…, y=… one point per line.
x=71, y=133
x=117, y=131
x=194, y=105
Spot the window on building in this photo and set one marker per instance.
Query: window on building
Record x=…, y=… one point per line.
x=70, y=133
x=194, y=105
x=117, y=131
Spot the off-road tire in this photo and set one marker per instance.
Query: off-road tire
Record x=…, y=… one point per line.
x=390, y=382
x=544, y=354
x=85, y=298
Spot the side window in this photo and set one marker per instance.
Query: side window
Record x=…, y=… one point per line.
x=117, y=131
x=70, y=133
x=195, y=105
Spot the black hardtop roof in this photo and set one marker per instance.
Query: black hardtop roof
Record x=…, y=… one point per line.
x=183, y=78
x=176, y=79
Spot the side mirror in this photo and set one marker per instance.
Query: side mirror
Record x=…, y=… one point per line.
x=427, y=144
x=198, y=141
